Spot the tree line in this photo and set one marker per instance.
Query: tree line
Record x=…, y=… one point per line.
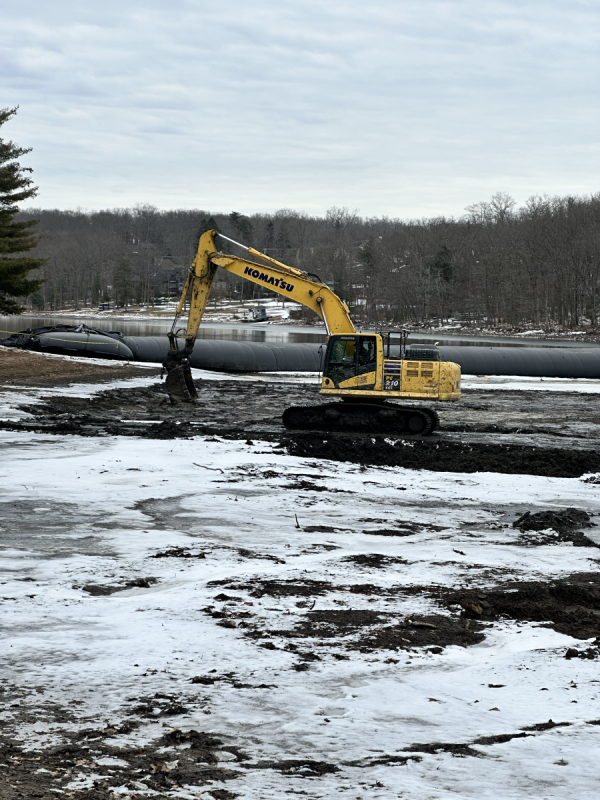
x=539, y=263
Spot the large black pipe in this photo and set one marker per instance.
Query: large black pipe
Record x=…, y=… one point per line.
x=223, y=356
x=226, y=356
x=229, y=356
x=539, y=362
x=72, y=341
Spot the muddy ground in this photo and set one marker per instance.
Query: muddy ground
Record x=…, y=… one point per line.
x=102, y=755
x=538, y=433
x=520, y=432
x=23, y=368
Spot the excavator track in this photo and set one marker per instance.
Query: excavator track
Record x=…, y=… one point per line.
x=362, y=417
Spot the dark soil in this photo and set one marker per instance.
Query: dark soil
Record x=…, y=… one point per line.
x=153, y=711
x=275, y=588
x=299, y=768
x=334, y=622
x=178, y=552
x=538, y=433
x=565, y=524
x=366, y=630
x=562, y=521
x=434, y=632
x=45, y=771
x=244, y=553
x=569, y=605
x=194, y=750
x=374, y=560
x=438, y=455
x=402, y=528
x=98, y=590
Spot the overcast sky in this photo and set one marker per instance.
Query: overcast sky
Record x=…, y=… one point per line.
x=404, y=108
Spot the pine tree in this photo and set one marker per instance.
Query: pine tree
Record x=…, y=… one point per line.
x=443, y=263
x=15, y=236
x=242, y=225
x=209, y=224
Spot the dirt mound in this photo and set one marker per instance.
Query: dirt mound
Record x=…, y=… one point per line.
x=374, y=560
x=550, y=527
x=569, y=605
x=591, y=653
x=560, y=521
x=98, y=590
x=23, y=368
x=446, y=456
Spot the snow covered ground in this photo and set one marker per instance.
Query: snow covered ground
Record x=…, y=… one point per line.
x=78, y=512
x=519, y=383
x=278, y=311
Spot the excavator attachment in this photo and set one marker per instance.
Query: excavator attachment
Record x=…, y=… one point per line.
x=179, y=383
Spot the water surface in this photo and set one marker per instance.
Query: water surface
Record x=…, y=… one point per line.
x=264, y=332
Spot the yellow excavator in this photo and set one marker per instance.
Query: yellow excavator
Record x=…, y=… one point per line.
x=357, y=368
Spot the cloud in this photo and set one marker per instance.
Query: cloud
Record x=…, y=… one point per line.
x=405, y=109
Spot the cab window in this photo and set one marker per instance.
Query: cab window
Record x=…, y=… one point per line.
x=350, y=356
x=366, y=355
x=343, y=352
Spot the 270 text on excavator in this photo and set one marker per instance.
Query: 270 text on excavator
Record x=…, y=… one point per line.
x=358, y=368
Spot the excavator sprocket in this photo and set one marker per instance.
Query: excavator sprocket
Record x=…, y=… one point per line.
x=362, y=417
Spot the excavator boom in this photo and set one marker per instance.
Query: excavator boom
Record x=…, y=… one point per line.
x=289, y=282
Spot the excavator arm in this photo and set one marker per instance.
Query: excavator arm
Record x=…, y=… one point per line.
x=289, y=282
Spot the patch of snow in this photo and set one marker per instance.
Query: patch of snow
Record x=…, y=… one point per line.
x=120, y=500
x=522, y=383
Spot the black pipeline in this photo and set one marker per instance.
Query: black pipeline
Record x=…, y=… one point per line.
x=228, y=356
x=536, y=362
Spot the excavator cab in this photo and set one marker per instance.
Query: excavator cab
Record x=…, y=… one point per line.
x=351, y=361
